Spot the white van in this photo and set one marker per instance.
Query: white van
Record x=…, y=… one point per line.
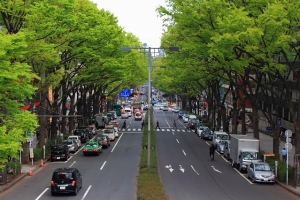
x=219, y=135
x=128, y=111
x=110, y=132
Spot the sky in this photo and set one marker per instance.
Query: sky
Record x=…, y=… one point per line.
x=138, y=17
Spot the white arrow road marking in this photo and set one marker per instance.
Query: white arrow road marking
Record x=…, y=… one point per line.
x=86, y=192
x=183, y=152
x=216, y=170
x=72, y=164
x=195, y=170
x=177, y=141
x=169, y=167
x=42, y=194
x=181, y=169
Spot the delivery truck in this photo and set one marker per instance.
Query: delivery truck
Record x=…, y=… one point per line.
x=243, y=150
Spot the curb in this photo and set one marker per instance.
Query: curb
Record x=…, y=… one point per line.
x=287, y=188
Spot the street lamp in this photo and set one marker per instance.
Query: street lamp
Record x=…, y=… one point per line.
x=155, y=50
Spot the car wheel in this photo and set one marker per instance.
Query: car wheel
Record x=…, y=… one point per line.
x=98, y=153
x=84, y=154
x=253, y=179
x=52, y=193
x=76, y=191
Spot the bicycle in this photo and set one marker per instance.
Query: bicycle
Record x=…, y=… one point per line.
x=212, y=156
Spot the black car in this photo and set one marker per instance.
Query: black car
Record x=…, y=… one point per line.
x=180, y=114
x=82, y=133
x=60, y=152
x=87, y=130
x=66, y=180
x=207, y=134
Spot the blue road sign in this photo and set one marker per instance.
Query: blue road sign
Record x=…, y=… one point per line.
x=125, y=93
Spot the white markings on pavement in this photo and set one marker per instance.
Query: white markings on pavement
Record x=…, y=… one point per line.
x=181, y=168
x=42, y=194
x=86, y=192
x=207, y=143
x=169, y=167
x=72, y=164
x=243, y=176
x=177, y=141
x=183, y=152
x=173, y=133
x=194, y=170
x=103, y=165
x=117, y=142
x=216, y=170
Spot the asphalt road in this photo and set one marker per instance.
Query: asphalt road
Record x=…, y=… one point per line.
x=188, y=173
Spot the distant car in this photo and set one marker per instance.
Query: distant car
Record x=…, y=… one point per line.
x=110, y=132
x=193, y=123
x=60, y=152
x=199, y=130
x=124, y=115
x=92, y=147
x=103, y=140
x=76, y=138
x=82, y=133
x=116, y=132
x=145, y=107
x=185, y=118
x=66, y=180
x=72, y=145
x=137, y=116
x=165, y=108
x=114, y=123
x=175, y=110
x=180, y=114
x=207, y=134
x=221, y=146
x=260, y=172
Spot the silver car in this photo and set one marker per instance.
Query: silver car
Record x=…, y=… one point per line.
x=72, y=145
x=260, y=172
x=185, y=118
x=221, y=146
x=199, y=130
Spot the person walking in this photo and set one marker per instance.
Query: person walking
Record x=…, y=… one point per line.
x=157, y=125
x=283, y=154
x=143, y=124
x=124, y=124
x=174, y=125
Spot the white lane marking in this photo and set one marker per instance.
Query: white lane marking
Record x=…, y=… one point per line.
x=103, y=165
x=86, y=192
x=42, y=194
x=72, y=164
x=177, y=141
x=195, y=170
x=183, y=152
x=117, y=142
x=243, y=176
x=173, y=133
x=216, y=170
x=181, y=168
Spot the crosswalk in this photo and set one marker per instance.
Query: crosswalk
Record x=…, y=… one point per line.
x=162, y=129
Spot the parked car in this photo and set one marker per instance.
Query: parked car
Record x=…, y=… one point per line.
x=180, y=114
x=66, y=180
x=207, y=134
x=110, y=132
x=82, y=133
x=87, y=130
x=103, y=140
x=165, y=108
x=92, y=147
x=60, y=152
x=260, y=172
x=192, y=123
x=185, y=118
x=124, y=115
x=114, y=123
x=175, y=110
x=72, y=145
x=199, y=129
x=76, y=138
x=221, y=146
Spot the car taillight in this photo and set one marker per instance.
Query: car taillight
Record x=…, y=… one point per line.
x=52, y=183
x=84, y=149
x=73, y=183
x=95, y=149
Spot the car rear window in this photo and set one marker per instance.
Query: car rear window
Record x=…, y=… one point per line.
x=57, y=148
x=63, y=175
x=138, y=114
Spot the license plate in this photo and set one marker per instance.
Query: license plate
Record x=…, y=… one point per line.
x=62, y=188
x=58, y=158
x=265, y=179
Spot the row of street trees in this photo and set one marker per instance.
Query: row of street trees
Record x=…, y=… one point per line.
x=68, y=47
x=251, y=46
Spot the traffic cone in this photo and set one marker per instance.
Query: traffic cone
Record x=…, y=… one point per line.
x=30, y=172
x=42, y=163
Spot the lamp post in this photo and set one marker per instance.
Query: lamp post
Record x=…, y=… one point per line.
x=149, y=86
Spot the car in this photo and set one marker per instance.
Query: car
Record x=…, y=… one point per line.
x=114, y=123
x=199, y=130
x=137, y=116
x=82, y=133
x=207, y=134
x=76, y=138
x=136, y=110
x=124, y=115
x=185, y=118
x=72, y=145
x=180, y=114
x=116, y=132
x=260, y=172
x=165, y=108
x=88, y=131
x=143, y=102
x=145, y=107
x=128, y=110
x=60, y=152
x=92, y=147
x=110, y=132
x=103, y=140
x=175, y=110
x=92, y=128
x=192, y=123
x=66, y=180
x=219, y=135
x=221, y=146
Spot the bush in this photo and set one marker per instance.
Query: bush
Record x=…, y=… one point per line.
x=14, y=168
x=38, y=154
x=281, y=169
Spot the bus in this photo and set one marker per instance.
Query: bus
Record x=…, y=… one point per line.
x=137, y=105
x=118, y=108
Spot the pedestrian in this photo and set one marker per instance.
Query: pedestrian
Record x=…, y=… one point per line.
x=174, y=125
x=143, y=124
x=283, y=154
x=157, y=125
x=124, y=124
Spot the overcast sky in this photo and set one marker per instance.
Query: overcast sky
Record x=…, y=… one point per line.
x=138, y=17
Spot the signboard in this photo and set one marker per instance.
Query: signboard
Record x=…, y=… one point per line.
x=125, y=93
x=31, y=153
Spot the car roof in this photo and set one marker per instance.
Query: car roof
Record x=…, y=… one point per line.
x=221, y=132
x=70, y=170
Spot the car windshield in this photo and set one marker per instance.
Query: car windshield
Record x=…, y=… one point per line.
x=72, y=138
x=91, y=145
x=250, y=155
x=186, y=116
x=262, y=167
x=223, y=142
x=67, y=142
x=63, y=176
x=138, y=114
x=108, y=131
x=222, y=137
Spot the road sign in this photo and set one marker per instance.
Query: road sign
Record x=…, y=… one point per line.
x=288, y=146
x=31, y=155
x=125, y=93
x=288, y=133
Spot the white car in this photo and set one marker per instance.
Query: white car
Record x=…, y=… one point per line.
x=76, y=138
x=116, y=132
x=200, y=129
x=185, y=118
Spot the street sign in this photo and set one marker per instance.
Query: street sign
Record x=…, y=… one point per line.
x=125, y=93
x=288, y=133
x=31, y=155
x=288, y=146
